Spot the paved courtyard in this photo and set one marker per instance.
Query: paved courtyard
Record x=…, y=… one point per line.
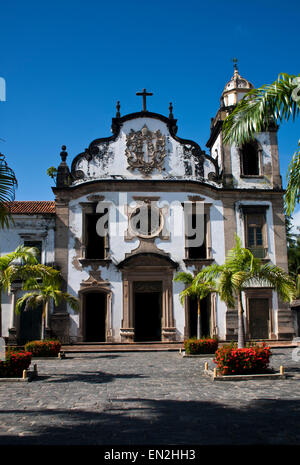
x=148, y=398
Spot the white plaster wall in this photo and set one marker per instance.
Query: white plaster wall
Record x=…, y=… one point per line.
x=216, y=150
x=250, y=183
x=115, y=163
x=175, y=246
x=36, y=227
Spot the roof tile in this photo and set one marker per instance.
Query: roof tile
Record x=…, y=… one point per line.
x=31, y=207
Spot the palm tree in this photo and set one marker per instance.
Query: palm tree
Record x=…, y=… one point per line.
x=260, y=108
x=294, y=259
x=8, y=184
x=42, y=295
x=241, y=270
x=22, y=265
x=199, y=287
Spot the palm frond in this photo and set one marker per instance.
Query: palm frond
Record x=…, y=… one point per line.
x=71, y=300
x=292, y=194
x=27, y=272
x=273, y=275
x=28, y=300
x=8, y=184
x=261, y=107
x=8, y=181
x=186, y=278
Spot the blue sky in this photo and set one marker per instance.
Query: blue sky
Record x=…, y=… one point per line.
x=66, y=63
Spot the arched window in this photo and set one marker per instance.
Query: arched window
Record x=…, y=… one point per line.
x=250, y=160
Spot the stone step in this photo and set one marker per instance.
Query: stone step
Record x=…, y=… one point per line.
x=117, y=347
x=148, y=346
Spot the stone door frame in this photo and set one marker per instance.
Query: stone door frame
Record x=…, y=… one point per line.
x=259, y=293
x=101, y=289
x=147, y=274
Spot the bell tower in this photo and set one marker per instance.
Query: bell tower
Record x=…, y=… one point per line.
x=252, y=165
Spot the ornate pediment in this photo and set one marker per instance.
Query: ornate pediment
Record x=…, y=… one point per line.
x=145, y=150
x=95, y=282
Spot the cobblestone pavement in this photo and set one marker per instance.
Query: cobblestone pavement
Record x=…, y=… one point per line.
x=148, y=398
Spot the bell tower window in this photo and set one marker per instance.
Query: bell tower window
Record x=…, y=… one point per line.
x=250, y=160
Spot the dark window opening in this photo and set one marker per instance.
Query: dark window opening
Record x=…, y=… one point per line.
x=95, y=243
x=250, y=160
x=199, y=251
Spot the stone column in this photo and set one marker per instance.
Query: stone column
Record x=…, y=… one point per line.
x=12, y=332
x=60, y=317
x=168, y=328
x=285, y=322
x=229, y=215
x=127, y=330
x=227, y=165
x=276, y=177
x=109, y=337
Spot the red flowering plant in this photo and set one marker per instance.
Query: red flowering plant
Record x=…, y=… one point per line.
x=14, y=364
x=233, y=361
x=205, y=345
x=46, y=348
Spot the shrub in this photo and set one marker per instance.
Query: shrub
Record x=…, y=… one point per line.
x=47, y=348
x=231, y=360
x=195, y=346
x=14, y=364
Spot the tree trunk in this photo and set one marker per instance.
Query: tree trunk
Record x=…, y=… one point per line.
x=241, y=328
x=0, y=312
x=198, y=321
x=43, y=322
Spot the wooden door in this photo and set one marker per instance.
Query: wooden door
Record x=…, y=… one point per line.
x=259, y=318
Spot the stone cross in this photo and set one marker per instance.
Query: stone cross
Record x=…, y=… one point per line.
x=144, y=94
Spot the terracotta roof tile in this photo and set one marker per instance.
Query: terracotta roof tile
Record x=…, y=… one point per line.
x=31, y=207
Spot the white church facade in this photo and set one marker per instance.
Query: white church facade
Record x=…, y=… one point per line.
x=124, y=277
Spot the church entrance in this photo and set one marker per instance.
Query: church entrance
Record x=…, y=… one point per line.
x=95, y=316
x=147, y=310
x=205, y=317
x=147, y=298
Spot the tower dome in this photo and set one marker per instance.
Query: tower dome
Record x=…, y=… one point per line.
x=235, y=89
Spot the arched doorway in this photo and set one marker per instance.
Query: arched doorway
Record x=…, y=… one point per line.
x=95, y=309
x=94, y=316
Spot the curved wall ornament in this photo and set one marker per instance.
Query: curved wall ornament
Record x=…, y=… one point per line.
x=145, y=150
x=171, y=125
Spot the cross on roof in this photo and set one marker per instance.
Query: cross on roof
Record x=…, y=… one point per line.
x=144, y=94
x=235, y=61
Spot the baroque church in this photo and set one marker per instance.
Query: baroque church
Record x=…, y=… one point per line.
x=134, y=209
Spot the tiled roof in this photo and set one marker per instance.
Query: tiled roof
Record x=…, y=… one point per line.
x=31, y=207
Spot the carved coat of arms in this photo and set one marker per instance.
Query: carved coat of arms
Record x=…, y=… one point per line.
x=145, y=150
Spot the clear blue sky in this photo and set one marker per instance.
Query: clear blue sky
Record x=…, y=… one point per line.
x=66, y=63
